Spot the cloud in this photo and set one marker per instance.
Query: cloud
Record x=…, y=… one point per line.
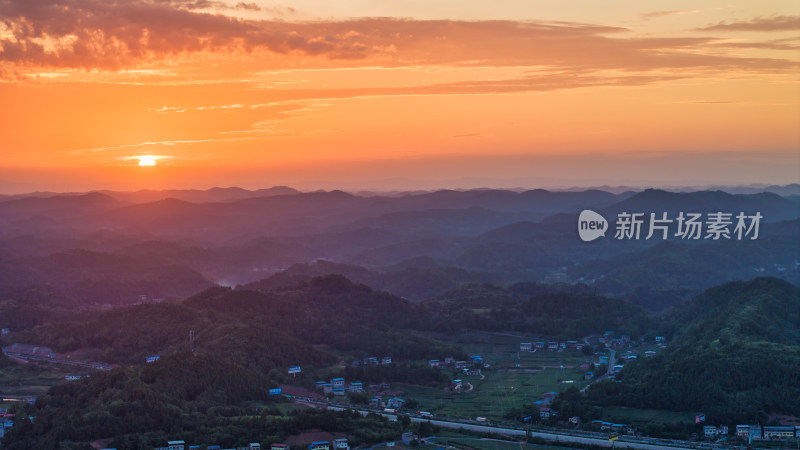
x=774, y=23
x=248, y=6
x=657, y=14
x=117, y=34
x=769, y=45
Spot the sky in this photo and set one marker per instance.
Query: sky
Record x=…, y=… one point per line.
x=405, y=94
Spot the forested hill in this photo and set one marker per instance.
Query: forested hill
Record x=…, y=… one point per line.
x=282, y=324
x=735, y=356
x=763, y=309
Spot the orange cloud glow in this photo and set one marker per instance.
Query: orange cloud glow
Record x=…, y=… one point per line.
x=88, y=83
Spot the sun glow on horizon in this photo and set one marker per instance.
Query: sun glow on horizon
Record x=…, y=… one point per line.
x=147, y=160
x=406, y=84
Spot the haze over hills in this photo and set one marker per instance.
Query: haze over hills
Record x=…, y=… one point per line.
x=233, y=236
x=279, y=277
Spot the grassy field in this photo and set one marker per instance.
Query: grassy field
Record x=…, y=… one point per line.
x=513, y=380
x=30, y=379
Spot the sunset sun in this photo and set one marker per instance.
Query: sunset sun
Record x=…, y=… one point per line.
x=147, y=160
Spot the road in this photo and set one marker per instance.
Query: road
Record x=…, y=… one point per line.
x=602, y=442
x=589, y=438
x=611, y=360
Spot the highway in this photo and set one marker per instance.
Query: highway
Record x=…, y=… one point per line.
x=599, y=441
x=573, y=436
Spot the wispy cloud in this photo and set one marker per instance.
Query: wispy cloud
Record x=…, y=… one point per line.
x=657, y=14
x=774, y=23
x=170, y=143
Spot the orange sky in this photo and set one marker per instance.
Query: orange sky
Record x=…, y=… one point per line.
x=389, y=95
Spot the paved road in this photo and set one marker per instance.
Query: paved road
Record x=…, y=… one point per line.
x=611, y=360
x=550, y=436
x=623, y=442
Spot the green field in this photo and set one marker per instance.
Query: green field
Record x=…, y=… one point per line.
x=32, y=379
x=513, y=379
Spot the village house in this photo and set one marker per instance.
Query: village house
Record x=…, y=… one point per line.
x=279, y=447
x=173, y=445
x=525, y=346
x=356, y=387
x=376, y=402
x=320, y=445
x=386, y=360
x=152, y=359
x=552, y=345
x=395, y=403
x=461, y=364
x=778, y=433
x=743, y=431
x=434, y=363
x=540, y=344
x=341, y=444
x=27, y=351
x=749, y=432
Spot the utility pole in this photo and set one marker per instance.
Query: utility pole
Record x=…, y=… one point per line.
x=191, y=340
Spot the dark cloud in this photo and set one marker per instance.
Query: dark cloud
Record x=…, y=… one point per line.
x=774, y=23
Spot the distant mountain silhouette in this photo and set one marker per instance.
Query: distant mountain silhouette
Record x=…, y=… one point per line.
x=772, y=207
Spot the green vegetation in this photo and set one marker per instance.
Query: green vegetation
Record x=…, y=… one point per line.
x=735, y=356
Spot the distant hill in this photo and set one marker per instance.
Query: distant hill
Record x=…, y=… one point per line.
x=692, y=267
x=216, y=194
x=412, y=283
x=63, y=204
x=772, y=207
x=734, y=355
x=100, y=278
x=283, y=326
x=232, y=236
